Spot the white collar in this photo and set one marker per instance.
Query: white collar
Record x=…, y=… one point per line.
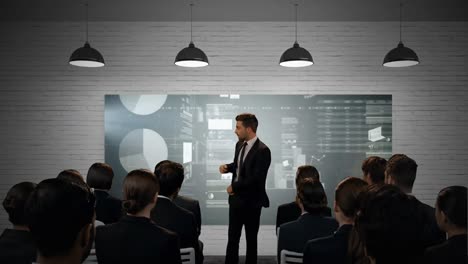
x=164, y=197
x=251, y=141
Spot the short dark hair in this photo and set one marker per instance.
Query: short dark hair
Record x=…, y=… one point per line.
x=375, y=167
x=402, y=169
x=160, y=164
x=58, y=209
x=71, y=175
x=248, y=120
x=307, y=172
x=15, y=201
x=347, y=195
x=171, y=176
x=312, y=196
x=139, y=188
x=100, y=176
x=452, y=201
x=388, y=223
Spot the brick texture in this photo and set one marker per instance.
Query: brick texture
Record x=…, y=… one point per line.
x=52, y=114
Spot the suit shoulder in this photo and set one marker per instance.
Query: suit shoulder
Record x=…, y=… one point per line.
x=186, y=200
x=420, y=204
x=318, y=244
x=286, y=206
x=264, y=147
x=182, y=210
x=184, y=214
x=330, y=219
x=264, y=150
x=165, y=232
x=112, y=198
x=104, y=231
x=290, y=225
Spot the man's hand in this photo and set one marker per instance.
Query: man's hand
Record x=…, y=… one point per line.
x=229, y=190
x=223, y=168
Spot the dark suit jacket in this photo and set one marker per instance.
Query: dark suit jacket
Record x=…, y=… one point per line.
x=294, y=235
x=431, y=234
x=191, y=205
x=328, y=250
x=249, y=189
x=17, y=246
x=108, y=208
x=290, y=211
x=178, y=220
x=136, y=240
x=452, y=251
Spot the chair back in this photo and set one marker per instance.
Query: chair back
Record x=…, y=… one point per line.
x=288, y=257
x=187, y=255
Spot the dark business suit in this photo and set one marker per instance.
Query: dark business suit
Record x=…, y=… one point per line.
x=452, y=251
x=294, y=235
x=108, y=208
x=180, y=221
x=191, y=205
x=249, y=197
x=136, y=240
x=17, y=246
x=328, y=250
x=291, y=211
x=431, y=234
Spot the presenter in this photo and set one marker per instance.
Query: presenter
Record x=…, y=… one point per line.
x=247, y=193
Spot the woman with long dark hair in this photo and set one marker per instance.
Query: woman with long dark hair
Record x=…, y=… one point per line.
x=135, y=238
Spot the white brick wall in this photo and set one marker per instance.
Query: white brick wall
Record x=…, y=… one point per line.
x=52, y=114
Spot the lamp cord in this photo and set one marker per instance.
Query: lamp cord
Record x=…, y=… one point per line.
x=191, y=31
x=86, y=4
x=401, y=7
x=296, y=19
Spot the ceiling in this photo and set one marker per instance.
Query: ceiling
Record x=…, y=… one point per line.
x=233, y=10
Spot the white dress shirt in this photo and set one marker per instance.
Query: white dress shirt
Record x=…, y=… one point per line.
x=249, y=145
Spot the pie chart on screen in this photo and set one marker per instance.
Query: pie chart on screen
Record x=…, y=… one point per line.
x=143, y=104
x=142, y=149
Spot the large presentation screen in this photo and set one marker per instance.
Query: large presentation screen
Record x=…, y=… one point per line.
x=334, y=133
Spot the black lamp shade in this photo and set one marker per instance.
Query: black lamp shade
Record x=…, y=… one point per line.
x=86, y=57
x=401, y=56
x=296, y=57
x=191, y=57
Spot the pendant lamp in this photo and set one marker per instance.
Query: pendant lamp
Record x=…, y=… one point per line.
x=296, y=56
x=86, y=56
x=401, y=56
x=191, y=56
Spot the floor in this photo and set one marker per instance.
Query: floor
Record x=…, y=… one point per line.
x=220, y=260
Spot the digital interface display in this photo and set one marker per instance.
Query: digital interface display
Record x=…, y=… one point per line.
x=334, y=133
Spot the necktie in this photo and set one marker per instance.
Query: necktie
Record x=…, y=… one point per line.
x=241, y=162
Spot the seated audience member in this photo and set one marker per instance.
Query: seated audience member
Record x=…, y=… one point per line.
x=373, y=170
x=185, y=202
x=135, y=238
x=172, y=217
x=108, y=208
x=290, y=211
x=61, y=220
x=334, y=248
x=17, y=245
x=311, y=224
x=387, y=223
x=356, y=253
x=451, y=218
x=401, y=172
x=72, y=175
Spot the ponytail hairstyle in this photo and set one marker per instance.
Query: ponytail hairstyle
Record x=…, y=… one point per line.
x=139, y=188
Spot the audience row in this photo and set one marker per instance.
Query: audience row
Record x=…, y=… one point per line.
x=150, y=225
x=376, y=218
